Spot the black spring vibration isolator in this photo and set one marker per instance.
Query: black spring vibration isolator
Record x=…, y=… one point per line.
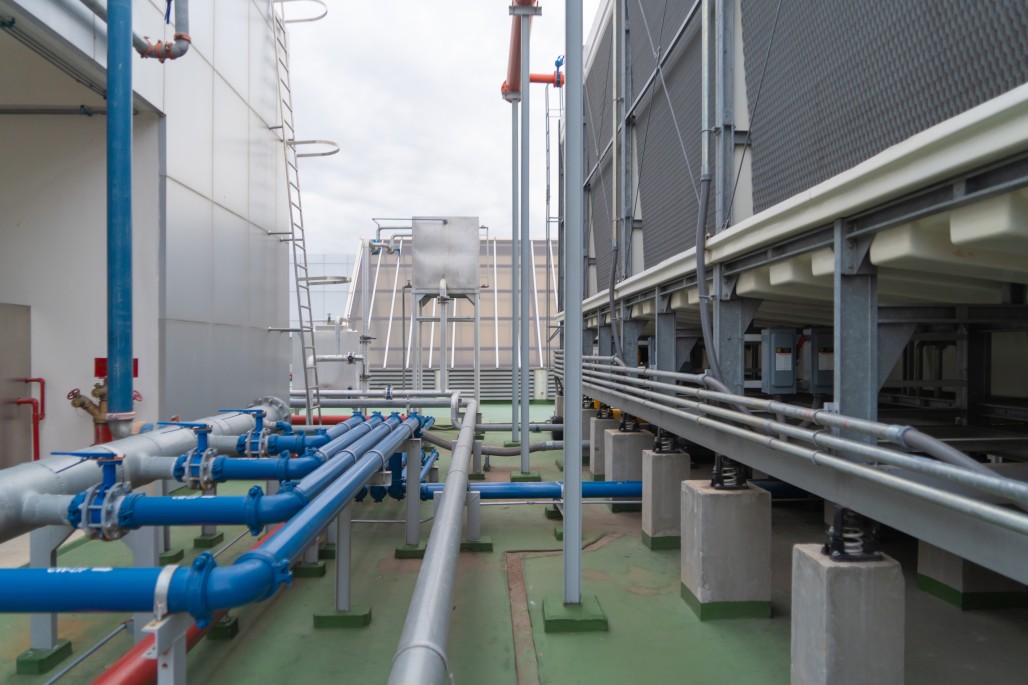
x=586, y=403
x=664, y=442
x=629, y=424
x=604, y=412
x=852, y=537
x=729, y=474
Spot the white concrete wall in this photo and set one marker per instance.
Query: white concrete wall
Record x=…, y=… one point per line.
x=53, y=251
x=208, y=189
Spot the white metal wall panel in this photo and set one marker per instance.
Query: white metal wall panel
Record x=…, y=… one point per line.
x=190, y=111
x=232, y=43
x=188, y=254
x=231, y=153
x=231, y=273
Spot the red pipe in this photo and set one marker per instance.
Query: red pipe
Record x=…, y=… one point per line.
x=42, y=395
x=547, y=78
x=513, y=82
x=133, y=669
x=301, y=420
x=37, y=416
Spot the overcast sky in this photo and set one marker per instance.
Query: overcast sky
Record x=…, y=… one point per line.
x=411, y=93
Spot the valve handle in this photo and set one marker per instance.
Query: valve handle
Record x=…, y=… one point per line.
x=87, y=454
x=75, y=392
x=196, y=426
x=255, y=412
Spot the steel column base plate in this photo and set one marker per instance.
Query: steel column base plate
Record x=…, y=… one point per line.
x=172, y=556
x=315, y=570
x=587, y=617
x=208, y=541
x=358, y=617
x=37, y=661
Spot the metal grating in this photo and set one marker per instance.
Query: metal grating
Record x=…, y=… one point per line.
x=846, y=80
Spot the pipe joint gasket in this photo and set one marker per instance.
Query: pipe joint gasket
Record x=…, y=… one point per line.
x=252, y=510
x=160, y=591
x=196, y=589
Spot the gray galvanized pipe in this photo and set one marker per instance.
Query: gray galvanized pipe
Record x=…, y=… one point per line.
x=421, y=655
x=989, y=481
x=992, y=514
x=526, y=243
x=492, y=450
x=345, y=403
x=904, y=436
x=21, y=485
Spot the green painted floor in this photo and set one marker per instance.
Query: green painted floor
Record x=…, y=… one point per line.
x=496, y=631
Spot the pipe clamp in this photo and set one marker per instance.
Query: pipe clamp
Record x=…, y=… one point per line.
x=161, y=589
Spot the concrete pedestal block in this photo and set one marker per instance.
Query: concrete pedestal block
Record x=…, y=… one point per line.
x=587, y=418
x=662, y=476
x=623, y=455
x=965, y=584
x=597, y=462
x=726, y=551
x=847, y=620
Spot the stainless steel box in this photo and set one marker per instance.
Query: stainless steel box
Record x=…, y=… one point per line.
x=446, y=247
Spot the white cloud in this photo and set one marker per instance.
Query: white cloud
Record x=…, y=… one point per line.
x=411, y=92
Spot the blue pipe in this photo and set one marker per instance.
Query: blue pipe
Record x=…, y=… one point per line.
x=229, y=468
x=119, y=211
x=202, y=588
x=551, y=490
x=256, y=510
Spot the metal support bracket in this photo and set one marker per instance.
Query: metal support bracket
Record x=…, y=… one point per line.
x=169, y=647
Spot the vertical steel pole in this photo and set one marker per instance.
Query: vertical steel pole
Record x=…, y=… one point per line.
x=514, y=224
x=365, y=308
x=119, y=216
x=573, y=323
x=342, y=540
x=526, y=244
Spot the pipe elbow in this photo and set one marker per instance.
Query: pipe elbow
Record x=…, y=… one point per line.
x=205, y=587
x=162, y=50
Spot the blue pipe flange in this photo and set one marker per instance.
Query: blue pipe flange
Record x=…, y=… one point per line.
x=98, y=511
x=252, y=510
x=196, y=469
x=196, y=586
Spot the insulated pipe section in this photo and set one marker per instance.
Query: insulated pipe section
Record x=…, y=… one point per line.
x=145, y=460
x=421, y=655
x=256, y=510
x=203, y=588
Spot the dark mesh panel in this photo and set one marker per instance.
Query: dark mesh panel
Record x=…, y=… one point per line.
x=597, y=102
x=846, y=80
x=667, y=195
x=600, y=223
